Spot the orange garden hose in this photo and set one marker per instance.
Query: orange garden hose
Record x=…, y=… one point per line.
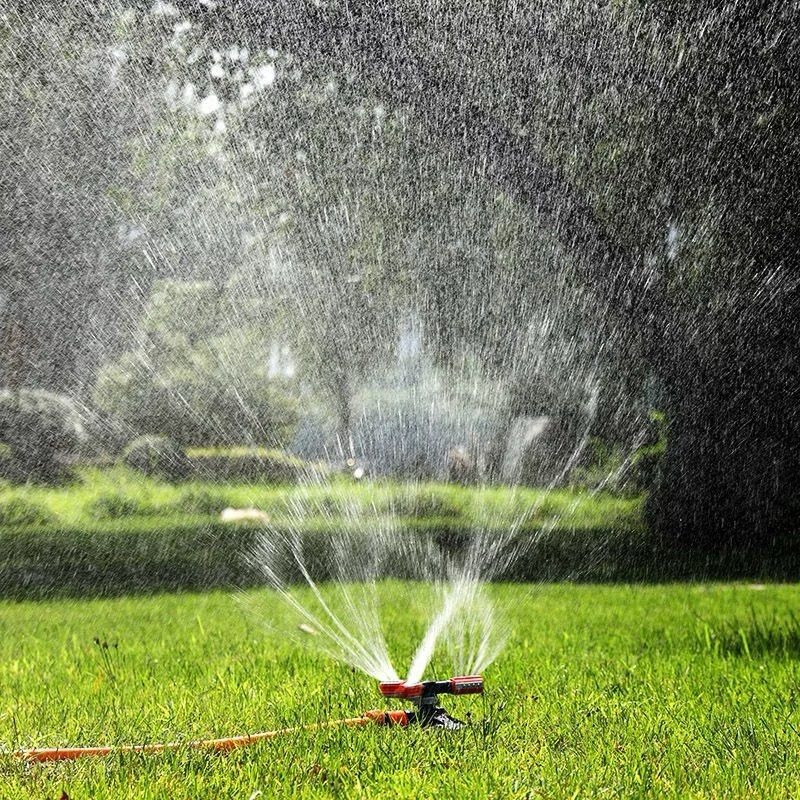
x=217, y=745
x=423, y=694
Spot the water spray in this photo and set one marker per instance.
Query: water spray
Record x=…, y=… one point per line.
x=426, y=713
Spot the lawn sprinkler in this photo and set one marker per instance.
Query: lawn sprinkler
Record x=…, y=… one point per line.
x=426, y=712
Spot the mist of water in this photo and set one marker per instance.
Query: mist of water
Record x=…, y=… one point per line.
x=300, y=198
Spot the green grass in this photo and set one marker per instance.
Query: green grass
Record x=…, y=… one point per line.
x=121, y=493
x=626, y=691
x=243, y=450
x=115, y=531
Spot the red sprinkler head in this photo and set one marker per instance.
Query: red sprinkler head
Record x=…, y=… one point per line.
x=413, y=691
x=425, y=697
x=392, y=688
x=461, y=684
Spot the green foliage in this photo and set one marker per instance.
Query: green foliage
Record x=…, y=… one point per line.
x=157, y=456
x=117, y=506
x=181, y=313
x=604, y=467
x=608, y=468
x=337, y=500
x=40, y=431
x=19, y=511
x=427, y=502
x=189, y=379
x=243, y=464
x=647, y=459
x=196, y=501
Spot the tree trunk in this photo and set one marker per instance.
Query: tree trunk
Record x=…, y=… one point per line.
x=12, y=361
x=731, y=475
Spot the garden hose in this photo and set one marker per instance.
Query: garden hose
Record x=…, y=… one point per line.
x=426, y=714
x=217, y=745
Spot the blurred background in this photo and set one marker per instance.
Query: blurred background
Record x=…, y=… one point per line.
x=284, y=261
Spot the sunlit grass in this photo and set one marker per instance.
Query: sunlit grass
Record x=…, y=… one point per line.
x=602, y=691
x=117, y=493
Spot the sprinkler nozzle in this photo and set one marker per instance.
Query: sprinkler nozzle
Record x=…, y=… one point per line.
x=392, y=688
x=466, y=684
x=461, y=684
x=425, y=697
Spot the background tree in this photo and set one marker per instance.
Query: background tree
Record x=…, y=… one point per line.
x=187, y=379
x=65, y=253
x=620, y=172
x=615, y=123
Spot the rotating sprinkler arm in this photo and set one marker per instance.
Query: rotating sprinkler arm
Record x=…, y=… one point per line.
x=425, y=696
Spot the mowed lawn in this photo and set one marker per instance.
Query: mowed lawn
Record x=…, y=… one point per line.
x=602, y=691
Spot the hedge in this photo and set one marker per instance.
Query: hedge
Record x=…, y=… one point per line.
x=244, y=465
x=138, y=555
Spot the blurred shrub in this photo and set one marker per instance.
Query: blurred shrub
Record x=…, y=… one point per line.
x=300, y=506
x=648, y=458
x=118, y=506
x=422, y=504
x=197, y=379
x=18, y=511
x=250, y=465
x=157, y=456
x=606, y=464
x=430, y=504
x=122, y=556
x=602, y=467
x=199, y=501
x=42, y=432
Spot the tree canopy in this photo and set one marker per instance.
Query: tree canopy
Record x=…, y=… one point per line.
x=577, y=194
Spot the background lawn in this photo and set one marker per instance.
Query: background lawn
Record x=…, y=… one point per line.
x=98, y=497
x=677, y=690
x=114, y=531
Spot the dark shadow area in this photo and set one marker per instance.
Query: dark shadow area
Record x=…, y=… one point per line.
x=601, y=556
x=757, y=636
x=38, y=563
